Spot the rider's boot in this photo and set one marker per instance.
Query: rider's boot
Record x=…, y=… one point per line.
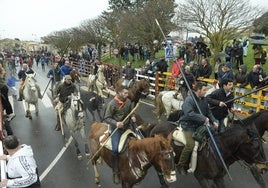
x=58, y=127
x=116, y=172
x=20, y=94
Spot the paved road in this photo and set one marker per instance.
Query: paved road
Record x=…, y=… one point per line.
x=68, y=171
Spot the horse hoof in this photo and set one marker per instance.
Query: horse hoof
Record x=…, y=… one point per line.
x=97, y=181
x=88, y=155
x=79, y=157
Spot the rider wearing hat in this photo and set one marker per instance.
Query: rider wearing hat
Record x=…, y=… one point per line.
x=62, y=95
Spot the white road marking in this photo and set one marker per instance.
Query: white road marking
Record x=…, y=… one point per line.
x=53, y=163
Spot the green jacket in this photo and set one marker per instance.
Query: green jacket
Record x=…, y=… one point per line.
x=114, y=113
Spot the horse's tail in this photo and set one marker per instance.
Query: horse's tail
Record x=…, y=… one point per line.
x=160, y=109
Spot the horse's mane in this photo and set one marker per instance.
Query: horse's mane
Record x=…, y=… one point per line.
x=151, y=144
x=253, y=117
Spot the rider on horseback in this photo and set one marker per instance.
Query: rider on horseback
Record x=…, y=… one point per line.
x=117, y=109
x=22, y=76
x=128, y=73
x=62, y=94
x=191, y=120
x=55, y=74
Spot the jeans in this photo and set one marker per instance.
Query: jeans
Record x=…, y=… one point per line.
x=115, y=139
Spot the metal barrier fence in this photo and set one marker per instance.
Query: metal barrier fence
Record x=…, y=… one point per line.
x=164, y=81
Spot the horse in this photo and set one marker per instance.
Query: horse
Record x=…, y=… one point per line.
x=30, y=94
x=136, y=159
x=76, y=77
x=165, y=102
x=92, y=102
x=136, y=90
x=260, y=119
x=236, y=143
x=73, y=120
x=98, y=81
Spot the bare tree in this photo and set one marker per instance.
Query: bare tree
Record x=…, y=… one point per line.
x=218, y=20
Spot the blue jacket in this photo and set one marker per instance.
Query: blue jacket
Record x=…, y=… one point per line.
x=66, y=69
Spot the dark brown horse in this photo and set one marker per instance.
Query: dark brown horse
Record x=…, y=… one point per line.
x=76, y=77
x=236, y=143
x=136, y=159
x=137, y=89
x=260, y=119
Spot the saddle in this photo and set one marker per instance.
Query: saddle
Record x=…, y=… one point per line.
x=129, y=84
x=123, y=140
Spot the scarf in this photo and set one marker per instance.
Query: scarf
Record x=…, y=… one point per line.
x=119, y=101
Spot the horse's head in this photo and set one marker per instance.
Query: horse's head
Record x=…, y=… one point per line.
x=100, y=67
x=145, y=86
x=250, y=148
x=30, y=81
x=76, y=104
x=75, y=75
x=165, y=160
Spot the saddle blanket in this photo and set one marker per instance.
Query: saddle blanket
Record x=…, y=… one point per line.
x=122, y=142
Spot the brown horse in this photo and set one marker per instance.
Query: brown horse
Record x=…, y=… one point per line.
x=136, y=90
x=75, y=76
x=136, y=159
x=236, y=143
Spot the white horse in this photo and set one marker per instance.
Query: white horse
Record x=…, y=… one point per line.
x=165, y=102
x=30, y=93
x=98, y=82
x=73, y=120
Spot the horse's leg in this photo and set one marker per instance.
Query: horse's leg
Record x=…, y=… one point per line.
x=202, y=181
x=96, y=172
x=99, y=114
x=257, y=176
x=162, y=180
x=92, y=113
x=78, y=152
x=28, y=112
x=219, y=182
x=36, y=109
x=84, y=138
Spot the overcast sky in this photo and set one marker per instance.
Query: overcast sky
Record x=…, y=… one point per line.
x=32, y=19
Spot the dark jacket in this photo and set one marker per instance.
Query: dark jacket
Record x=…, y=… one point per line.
x=253, y=79
x=214, y=100
x=115, y=113
x=205, y=71
x=191, y=118
x=129, y=72
x=64, y=90
x=22, y=73
x=241, y=77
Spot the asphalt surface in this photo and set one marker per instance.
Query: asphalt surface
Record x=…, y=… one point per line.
x=69, y=172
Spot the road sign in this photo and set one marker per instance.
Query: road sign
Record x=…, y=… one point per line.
x=169, y=53
x=115, y=51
